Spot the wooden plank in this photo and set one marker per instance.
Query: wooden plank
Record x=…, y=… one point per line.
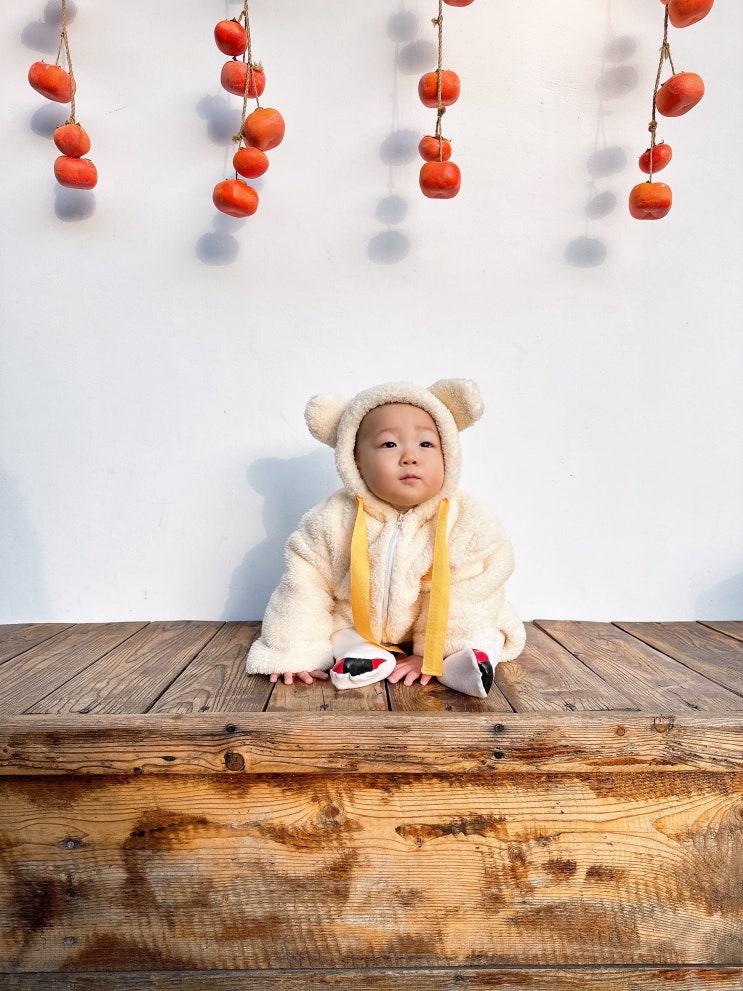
x=216, y=680
x=547, y=677
x=292, y=871
x=731, y=628
x=649, y=678
x=362, y=742
x=435, y=697
x=448, y=979
x=16, y=638
x=709, y=652
x=322, y=696
x=131, y=677
x=28, y=677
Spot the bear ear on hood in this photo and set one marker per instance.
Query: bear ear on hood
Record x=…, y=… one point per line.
x=322, y=415
x=462, y=398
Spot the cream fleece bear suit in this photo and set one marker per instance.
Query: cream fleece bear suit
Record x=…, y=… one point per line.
x=313, y=600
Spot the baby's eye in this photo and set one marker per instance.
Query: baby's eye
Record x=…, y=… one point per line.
x=426, y=443
x=389, y=443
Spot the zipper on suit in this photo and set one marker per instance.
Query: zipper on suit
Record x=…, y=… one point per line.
x=391, y=552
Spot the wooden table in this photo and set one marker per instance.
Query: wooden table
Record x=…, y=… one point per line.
x=168, y=821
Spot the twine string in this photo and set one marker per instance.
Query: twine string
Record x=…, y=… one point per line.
x=665, y=53
x=64, y=41
x=249, y=77
x=441, y=109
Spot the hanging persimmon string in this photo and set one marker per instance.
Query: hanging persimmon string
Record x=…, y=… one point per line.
x=651, y=200
x=260, y=130
x=439, y=178
x=71, y=169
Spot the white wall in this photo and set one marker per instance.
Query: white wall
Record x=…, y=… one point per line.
x=157, y=356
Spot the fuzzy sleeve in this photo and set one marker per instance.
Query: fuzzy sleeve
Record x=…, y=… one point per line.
x=481, y=561
x=298, y=622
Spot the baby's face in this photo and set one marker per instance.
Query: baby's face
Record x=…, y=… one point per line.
x=398, y=452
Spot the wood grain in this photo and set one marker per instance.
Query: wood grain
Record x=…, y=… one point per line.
x=356, y=742
x=16, y=638
x=131, y=677
x=431, y=979
x=651, y=679
x=291, y=872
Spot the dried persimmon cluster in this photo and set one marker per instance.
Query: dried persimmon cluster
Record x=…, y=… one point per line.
x=440, y=178
x=676, y=96
x=260, y=131
x=71, y=168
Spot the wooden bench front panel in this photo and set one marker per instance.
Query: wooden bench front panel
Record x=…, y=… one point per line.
x=316, y=871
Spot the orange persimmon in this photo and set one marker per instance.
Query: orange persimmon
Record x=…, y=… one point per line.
x=236, y=74
x=231, y=37
x=682, y=13
x=235, y=198
x=440, y=180
x=434, y=149
x=76, y=173
x=679, y=94
x=264, y=128
x=250, y=162
x=650, y=200
x=52, y=81
x=661, y=157
x=428, y=87
x=72, y=140
x=458, y=3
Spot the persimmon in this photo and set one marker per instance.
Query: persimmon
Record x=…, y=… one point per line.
x=458, y=3
x=428, y=87
x=231, y=37
x=52, y=81
x=264, y=128
x=661, y=157
x=434, y=149
x=235, y=75
x=72, y=140
x=650, y=200
x=682, y=13
x=679, y=94
x=235, y=198
x=250, y=162
x=76, y=173
x=440, y=180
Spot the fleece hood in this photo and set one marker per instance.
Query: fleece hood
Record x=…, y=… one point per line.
x=453, y=404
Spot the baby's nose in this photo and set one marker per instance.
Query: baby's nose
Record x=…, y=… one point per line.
x=409, y=456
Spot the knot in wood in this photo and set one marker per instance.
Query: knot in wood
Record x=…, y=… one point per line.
x=234, y=761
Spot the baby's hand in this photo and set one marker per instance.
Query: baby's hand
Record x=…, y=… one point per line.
x=306, y=676
x=409, y=668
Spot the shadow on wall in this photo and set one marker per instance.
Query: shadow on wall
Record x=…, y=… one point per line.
x=617, y=79
x=23, y=595
x=290, y=487
x=411, y=58
x=723, y=601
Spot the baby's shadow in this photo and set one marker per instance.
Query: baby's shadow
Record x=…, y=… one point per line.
x=290, y=486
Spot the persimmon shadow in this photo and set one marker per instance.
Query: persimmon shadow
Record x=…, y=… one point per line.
x=73, y=205
x=43, y=36
x=291, y=487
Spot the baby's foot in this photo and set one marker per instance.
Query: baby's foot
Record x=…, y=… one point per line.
x=468, y=671
x=355, y=672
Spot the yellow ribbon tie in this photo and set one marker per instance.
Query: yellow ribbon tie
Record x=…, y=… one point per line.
x=438, y=606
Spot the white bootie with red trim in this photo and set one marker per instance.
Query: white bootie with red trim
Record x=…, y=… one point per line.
x=364, y=665
x=469, y=672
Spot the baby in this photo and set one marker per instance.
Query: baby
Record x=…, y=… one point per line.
x=399, y=561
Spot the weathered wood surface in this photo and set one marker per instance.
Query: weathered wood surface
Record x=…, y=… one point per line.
x=168, y=821
x=281, y=871
x=449, y=979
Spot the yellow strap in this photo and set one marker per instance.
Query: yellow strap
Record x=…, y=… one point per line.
x=360, y=582
x=438, y=607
